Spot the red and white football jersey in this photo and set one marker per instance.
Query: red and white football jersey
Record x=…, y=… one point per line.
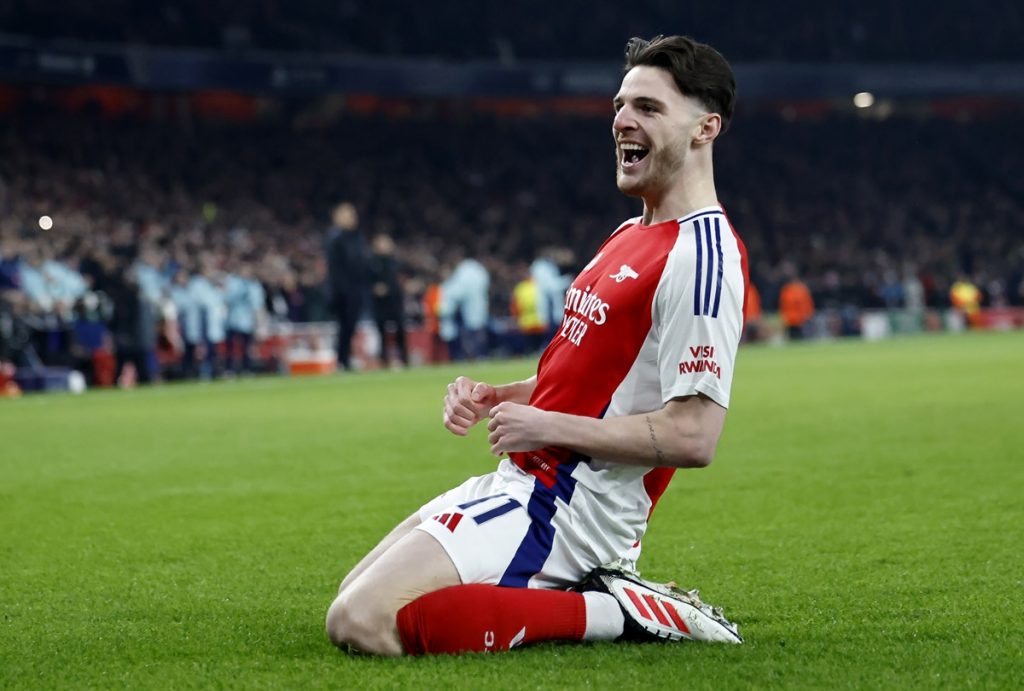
x=657, y=314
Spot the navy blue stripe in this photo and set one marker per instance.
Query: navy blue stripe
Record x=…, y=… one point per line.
x=700, y=257
x=498, y=511
x=481, y=500
x=711, y=263
x=721, y=269
x=536, y=545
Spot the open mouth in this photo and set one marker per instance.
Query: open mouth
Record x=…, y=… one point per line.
x=632, y=154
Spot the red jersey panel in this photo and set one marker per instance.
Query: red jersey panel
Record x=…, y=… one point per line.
x=653, y=316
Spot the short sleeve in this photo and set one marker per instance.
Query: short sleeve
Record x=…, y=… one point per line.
x=698, y=311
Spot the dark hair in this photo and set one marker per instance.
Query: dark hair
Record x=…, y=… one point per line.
x=698, y=70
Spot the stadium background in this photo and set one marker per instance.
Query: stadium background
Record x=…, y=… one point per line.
x=204, y=138
x=209, y=136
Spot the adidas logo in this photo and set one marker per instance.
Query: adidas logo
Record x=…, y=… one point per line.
x=448, y=520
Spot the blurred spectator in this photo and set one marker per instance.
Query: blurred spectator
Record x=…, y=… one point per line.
x=466, y=298
x=388, y=300
x=151, y=280
x=432, y=305
x=966, y=297
x=190, y=322
x=347, y=258
x=133, y=329
x=551, y=287
x=15, y=333
x=245, y=298
x=527, y=301
x=9, y=262
x=752, y=328
x=796, y=307
x=207, y=288
x=315, y=298
x=92, y=351
x=33, y=281
x=913, y=290
x=913, y=295
x=891, y=290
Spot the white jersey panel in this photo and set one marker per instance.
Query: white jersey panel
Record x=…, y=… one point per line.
x=698, y=310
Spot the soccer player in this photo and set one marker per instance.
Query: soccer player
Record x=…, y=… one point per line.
x=634, y=385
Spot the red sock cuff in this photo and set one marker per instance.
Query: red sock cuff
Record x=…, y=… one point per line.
x=487, y=618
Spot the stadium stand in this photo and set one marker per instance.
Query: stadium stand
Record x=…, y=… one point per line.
x=847, y=194
x=881, y=208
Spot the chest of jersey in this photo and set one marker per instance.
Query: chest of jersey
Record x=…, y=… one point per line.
x=606, y=319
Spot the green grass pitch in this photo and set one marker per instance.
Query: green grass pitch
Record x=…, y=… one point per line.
x=863, y=523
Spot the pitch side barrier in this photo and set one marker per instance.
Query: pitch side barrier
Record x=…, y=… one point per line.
x=879, y=324
x=309, y=348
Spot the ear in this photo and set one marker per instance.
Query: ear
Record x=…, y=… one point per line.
x=707, y=128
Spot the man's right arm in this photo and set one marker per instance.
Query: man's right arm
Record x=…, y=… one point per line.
x=467, y=402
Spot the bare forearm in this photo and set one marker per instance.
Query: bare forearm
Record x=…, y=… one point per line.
x=651, y=439
x=516, y=392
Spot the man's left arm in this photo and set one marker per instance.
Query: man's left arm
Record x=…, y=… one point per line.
x=682, y=434
x=697, y=340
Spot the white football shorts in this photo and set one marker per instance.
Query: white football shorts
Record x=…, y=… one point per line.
x=507, y=528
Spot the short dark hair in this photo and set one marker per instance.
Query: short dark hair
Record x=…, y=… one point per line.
x=698, y=70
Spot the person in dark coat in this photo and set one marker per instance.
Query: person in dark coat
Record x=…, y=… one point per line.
x=133, y=324
x=388, y=300
x=347, y=277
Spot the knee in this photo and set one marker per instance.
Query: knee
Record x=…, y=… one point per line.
x=338, y=622
x=362, y=624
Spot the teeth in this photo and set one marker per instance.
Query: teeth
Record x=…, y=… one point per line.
x=629, y=146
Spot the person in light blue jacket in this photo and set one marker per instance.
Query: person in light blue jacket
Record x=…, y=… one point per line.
x=551, y=288
x=245, y=302
x=465, y=295
x=208, y=290
x=151, y=279
x=33, y=281
x=190, y=321
x=66, y=285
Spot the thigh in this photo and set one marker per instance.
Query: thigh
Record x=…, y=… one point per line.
x=469, y=490
x=416, y=564
x=400, y=531
x=363, y=615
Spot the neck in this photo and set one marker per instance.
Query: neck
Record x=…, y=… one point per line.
x=693, y=188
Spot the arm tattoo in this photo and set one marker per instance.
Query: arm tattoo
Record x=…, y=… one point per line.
x=654, y=440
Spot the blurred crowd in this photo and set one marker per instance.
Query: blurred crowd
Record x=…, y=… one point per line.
x=801, y=31
x=185, y=237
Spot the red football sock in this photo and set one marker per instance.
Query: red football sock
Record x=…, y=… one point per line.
x=489, y=618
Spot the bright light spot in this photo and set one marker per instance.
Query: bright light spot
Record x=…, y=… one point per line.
x=865, y=99
x=45, y=222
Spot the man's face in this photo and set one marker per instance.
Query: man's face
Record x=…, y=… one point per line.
x=653, y=127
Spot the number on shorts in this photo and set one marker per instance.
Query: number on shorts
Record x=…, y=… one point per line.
x=492, y=513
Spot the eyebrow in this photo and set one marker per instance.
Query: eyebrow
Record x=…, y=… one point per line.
x=639, y=100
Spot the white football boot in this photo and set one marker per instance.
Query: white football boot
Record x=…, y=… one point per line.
x=657, y=611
